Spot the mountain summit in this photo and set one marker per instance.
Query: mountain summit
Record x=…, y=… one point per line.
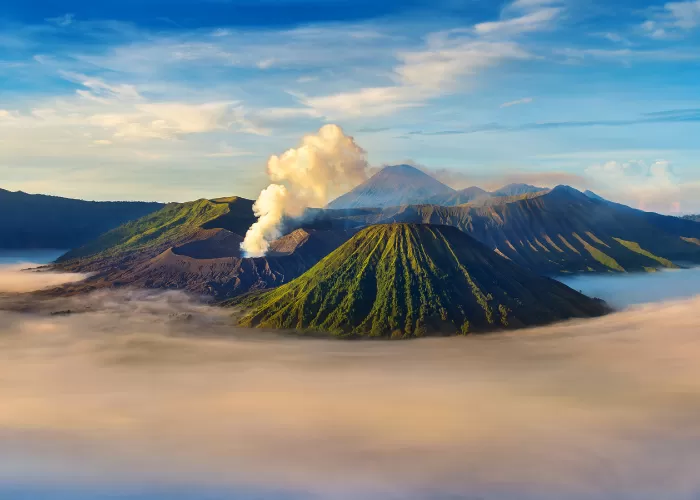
x=394, y=186
x=410, y=280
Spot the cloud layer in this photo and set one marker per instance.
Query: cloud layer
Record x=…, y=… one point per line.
x=24, y=277
x=153, y=389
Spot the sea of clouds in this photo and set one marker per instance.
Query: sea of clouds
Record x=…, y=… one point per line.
x=145, y=395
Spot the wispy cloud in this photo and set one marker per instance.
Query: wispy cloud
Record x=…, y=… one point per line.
x=62, y=21
x=525, y=100
x=669, y=116
x=227, y=151
x=121, y=109
x=673, y=19
x=533, y=21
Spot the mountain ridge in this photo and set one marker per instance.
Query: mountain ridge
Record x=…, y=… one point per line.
x=411, y=280
x=46, y=221
x=401, y=185
x=393, y=185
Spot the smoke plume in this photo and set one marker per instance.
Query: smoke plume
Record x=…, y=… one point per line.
x=324, y=165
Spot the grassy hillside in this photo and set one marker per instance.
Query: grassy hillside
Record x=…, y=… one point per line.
x=40, y=221
x=173, y=225
x=410, y=280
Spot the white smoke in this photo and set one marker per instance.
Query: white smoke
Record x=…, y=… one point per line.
x=324, y=165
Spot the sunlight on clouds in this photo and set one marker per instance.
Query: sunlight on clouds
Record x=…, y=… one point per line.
x=446, y=59
x=440, y=65
x=227, y=151
x=366, y=102
x=525, y=100
x=129, y=391
x=421, y=75
x=530, y=22
x=126, y=114
x=653, y=187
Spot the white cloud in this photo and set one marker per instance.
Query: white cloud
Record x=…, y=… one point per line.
x=7, y=115
x=307, y=79
x=648, y=186
x=277, y=114
x=102, y=142
x=673, y=18
x=374, y=101
x=685, y=15
x=266, y=63
x=446, y=60
x=62, y=21
x=525, y=100
x=227, y=151
x=123, y=111
x=529, y=4
x=438, y=68
x=627, y=56
x=534, y=21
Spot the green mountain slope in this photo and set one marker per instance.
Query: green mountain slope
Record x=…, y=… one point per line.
x=40, y=221
x=176, y=224
x=409, y=280
x=195, y=247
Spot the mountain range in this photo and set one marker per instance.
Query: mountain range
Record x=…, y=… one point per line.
x=31, y=221
x=401, y=185
x=195, y=246
x=411, y=280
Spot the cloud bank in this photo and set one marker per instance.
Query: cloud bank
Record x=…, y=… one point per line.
x=153, y=389
x=18, y=278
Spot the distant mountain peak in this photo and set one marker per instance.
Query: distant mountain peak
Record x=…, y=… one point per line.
x=394, y=185
x=568, y=191
x=402, y=168
x=593, y=195
x=517, y=189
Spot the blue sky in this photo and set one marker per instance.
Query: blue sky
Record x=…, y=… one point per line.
x=181, y=99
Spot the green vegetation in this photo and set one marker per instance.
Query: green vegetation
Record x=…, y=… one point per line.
x=172, y=225
x=568, y=245
x=552, y=244
x=596, y=239
x=409, y=280
x=599, y=255
x=539, y=244
x=633, y=246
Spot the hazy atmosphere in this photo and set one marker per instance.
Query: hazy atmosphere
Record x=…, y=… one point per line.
x=152, y=395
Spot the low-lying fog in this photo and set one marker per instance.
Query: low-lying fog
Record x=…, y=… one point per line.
x=155, y=396
x=622, y=291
